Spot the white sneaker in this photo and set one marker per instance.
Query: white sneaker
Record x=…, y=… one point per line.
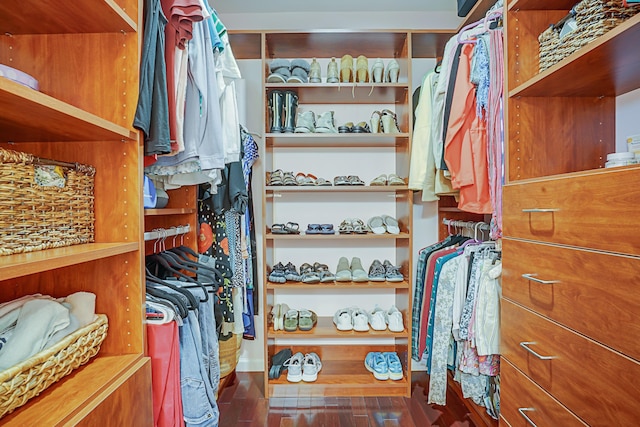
x=324, y=123
x=294, y=367
x=306, y=122
x=310, y=367
x=377, y=319
x=342, y=319
x=360, y=320
x=394, y=319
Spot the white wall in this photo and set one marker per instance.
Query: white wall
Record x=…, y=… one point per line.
x=627, y=114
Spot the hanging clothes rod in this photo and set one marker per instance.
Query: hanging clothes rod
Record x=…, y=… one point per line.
x=466, y=224
x=161, y=233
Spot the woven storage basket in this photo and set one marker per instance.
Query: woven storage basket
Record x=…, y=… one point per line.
x=229, y=354
x=28, y=379
x=593, y=19
x=35, y=217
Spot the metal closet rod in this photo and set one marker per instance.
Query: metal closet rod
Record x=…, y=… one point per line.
x=466, y=224
x=161, y=233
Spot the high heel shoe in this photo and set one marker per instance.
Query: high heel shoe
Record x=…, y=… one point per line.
x=362, y=69
x=377, y=71
x=389, y=122
x=346, y=69
x=375, y=121
x=392, y=72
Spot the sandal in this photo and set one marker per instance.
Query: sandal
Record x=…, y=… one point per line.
x=313, y=229
x=345, y=227
x=324, y=273
x=291, y=273
x=389, y=122
x=327, y=229
x=275, y=177
x=277, y=363
x=340, y=180
x=379, y=180
x=322, y=181
x=361, y=127
x=394, y=179
x=346, y=128
x=279, y=229
x=291, y=320
x=355, y=180
x=308, y=274
x=302, y=179
x=375, y=122
x=288, y=179
x=359, y=227
x=277, y=274
x=292, y=228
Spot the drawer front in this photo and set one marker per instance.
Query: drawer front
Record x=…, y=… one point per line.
x=598, y=385
x=520, y=398
x=594, y=293
x=597, y=210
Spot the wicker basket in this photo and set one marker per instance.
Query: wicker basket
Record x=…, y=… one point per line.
x=21, y=382
x=35, y=217
x=593, y=19
x=229, y=354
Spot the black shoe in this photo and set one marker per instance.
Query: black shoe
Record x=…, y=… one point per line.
x=276, y=363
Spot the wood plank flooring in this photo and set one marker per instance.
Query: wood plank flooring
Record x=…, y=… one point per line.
x=242, y=403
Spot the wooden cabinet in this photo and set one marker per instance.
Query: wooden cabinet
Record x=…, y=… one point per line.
x=328, y=155
x=86, y=59
x=570, y=246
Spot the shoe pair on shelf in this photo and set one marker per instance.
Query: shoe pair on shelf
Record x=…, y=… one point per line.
x=303, y=367
x=285, y=71
x=353, y=225
x=391, y=179
x=383, y=224
x=353, y=272
x=384, y=271
x=310, y=274
x=288, y=228
x=349, y=127
x=382, y=74
x=360, y=73
x=358, y=319
x=306, y=122
x=283, y=273
x=291, y=320
x=320, y=229
x=384, y=365
x=347, y=180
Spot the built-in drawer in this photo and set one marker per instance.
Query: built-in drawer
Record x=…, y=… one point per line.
x=596, y=210
x=597, y=384
x=523, y=403
x=594, y=293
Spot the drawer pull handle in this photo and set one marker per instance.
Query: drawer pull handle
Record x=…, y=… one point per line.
x=522, y=412
x=536, y=210
x=526, y=345
x=533, y=278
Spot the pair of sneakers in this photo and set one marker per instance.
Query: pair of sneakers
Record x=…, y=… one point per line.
x=353, y=272
x=303, y=367
x=351, y=319
x=384, y=365
x=384, y=271
x=381, y=319
x=306, y=122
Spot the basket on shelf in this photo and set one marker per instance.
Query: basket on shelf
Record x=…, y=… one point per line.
x=229, y=354
x=28, y=379
x=593, y=18
x=34, y=217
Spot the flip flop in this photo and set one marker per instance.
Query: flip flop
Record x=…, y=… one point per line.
x=376, y=225
x=279, y=229
x=313, y=229
x=292, y=228
x=327, y=229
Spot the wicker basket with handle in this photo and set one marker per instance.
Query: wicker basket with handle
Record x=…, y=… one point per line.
x=35, y=217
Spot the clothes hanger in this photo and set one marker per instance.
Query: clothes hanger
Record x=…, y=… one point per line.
x=155, y=279
x=181, y=306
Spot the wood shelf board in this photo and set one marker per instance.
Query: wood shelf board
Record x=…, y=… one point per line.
x=246, y=45
x=56, y=120
x=541, y=4
x=327, y=44
x=48, y=17
x=572, y=175
x=430, y=43
x=336, y=188
x=81, y=389
x=605, y=67
x=346, y=93
x=18, y=265
x=332, y=140
x=174, y=211
x=325, y=328
x=386, y=236
x=338, y=285
x=476, y=13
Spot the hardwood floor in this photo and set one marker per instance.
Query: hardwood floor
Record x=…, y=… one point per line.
x=242, y=403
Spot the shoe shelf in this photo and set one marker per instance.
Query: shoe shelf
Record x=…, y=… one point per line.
x=328, y=155
x=343, y=373
x=325, y=328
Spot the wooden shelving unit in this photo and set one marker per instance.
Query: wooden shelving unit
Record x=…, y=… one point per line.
x=83, y=113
